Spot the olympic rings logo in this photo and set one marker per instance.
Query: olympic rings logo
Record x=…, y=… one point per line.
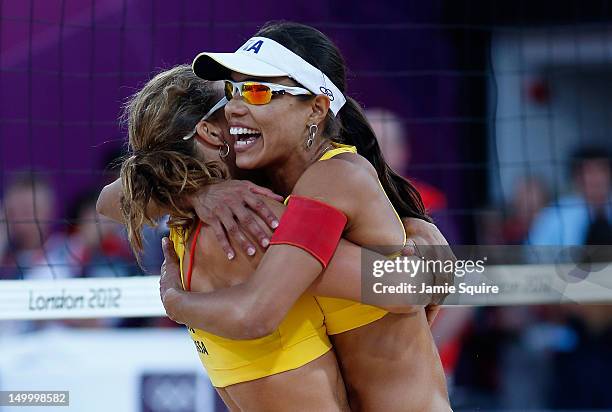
x=327, y=93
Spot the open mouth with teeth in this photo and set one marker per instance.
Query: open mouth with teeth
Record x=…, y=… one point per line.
x=245, y=137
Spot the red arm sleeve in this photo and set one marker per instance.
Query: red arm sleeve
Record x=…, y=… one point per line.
x=312, y=226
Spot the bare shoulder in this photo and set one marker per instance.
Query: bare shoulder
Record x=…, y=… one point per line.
x=212, y=268
x=341, y=181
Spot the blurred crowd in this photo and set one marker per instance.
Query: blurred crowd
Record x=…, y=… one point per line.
x=36, y=243
x=524, y=357
x=487, y=352
x=563, y=349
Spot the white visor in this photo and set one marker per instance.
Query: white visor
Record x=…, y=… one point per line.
x=263, y=57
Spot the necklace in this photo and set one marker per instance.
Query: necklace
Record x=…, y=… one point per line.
x=326, y=149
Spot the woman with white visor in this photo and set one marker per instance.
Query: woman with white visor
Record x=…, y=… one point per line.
x=291, y=119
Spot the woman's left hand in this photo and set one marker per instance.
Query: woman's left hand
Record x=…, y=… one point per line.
x=422, y=233
x=229, y=209
x=170, y=285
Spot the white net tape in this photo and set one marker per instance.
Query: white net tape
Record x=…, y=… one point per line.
x=80, y=298
x=139, y=296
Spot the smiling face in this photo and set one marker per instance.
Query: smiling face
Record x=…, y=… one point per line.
x=269, y=134
x=218, y=118
x=216, y=125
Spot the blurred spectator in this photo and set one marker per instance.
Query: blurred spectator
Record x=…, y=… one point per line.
x=477, y=375
x=93, y=247
x=395, y=144
x=581, y=369
x=583, y=217
x=26, y=213
x=529, y=197
x=502, y=336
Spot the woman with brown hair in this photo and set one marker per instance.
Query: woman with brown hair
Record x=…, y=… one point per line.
x=170, y=160
x=291, y=119
x=291, y=367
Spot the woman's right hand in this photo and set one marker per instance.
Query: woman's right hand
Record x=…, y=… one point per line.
x=230, y=207
x=434, y=246
x=170, y=286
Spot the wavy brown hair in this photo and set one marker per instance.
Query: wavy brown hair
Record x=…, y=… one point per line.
x=161, y=167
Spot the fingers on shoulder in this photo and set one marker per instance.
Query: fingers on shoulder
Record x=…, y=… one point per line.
x=275, y=206
x=209, y=241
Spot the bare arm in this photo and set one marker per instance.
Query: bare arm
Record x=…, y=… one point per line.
x=430, y=243
x=109, y=203
x=238, y=312
x=256, y=307
x=227, y=207
x=341, y=279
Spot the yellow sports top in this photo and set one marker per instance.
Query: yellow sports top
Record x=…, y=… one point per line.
x=342, y=315
x=300, y=339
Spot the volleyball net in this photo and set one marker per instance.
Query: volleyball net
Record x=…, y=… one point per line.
x=499, y=112
x=484, y=112
x=579, y=276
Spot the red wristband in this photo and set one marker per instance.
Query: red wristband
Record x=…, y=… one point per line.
x=312, y=226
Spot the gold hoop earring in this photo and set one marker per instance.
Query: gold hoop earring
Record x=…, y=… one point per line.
x=312, y=133
x=224, y=150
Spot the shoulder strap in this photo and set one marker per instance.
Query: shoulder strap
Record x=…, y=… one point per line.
x=192, y=255
x=344, y=148
x=338, y=148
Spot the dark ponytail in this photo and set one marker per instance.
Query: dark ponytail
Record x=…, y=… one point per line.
x=351, y=126
x=356, y=130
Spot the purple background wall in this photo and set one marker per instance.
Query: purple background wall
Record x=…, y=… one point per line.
x=66, y=66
